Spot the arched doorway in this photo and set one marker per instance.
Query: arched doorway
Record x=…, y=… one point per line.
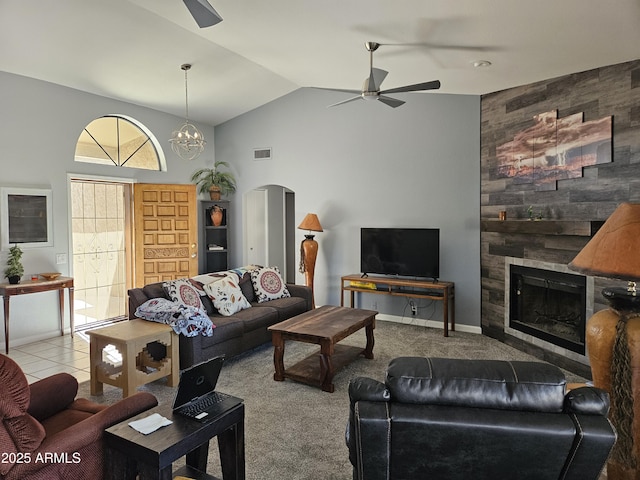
x=269, y=229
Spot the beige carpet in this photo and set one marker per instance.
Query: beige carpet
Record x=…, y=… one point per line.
x=294, y=431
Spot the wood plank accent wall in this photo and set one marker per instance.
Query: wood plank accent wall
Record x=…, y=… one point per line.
x=612, y=90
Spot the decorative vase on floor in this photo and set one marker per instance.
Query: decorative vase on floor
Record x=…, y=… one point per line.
x=604, y=330
x=308, y=255
x=216, y=216
x=613, y=335
x=309, y=251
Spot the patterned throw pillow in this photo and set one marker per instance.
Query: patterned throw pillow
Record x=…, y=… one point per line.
x=268, y=284
x=185, y=291
x=227, y=296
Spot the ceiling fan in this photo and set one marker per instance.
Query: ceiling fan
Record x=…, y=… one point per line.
x=371, y=86
x=203, y=13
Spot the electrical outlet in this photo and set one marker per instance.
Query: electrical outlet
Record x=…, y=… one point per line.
x=61, y=258
x=414, y=309
x=374, y=305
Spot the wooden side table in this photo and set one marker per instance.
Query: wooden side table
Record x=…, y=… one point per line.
x=128, y=454
x=138, y=366
x=7, y=290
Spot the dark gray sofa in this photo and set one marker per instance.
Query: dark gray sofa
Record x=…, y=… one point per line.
x=439, y=418
x=233, y=334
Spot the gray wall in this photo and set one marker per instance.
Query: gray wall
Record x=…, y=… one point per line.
x=361, y=164
x=367, y=165
x=39, y=126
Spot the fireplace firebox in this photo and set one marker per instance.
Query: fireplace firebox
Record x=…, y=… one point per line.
x=549, y=305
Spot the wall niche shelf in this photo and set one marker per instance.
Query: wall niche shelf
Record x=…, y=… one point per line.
x=214, y=240
x=543, y=227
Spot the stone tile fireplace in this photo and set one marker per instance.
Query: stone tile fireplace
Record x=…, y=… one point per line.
x=547, y=305
x=567, y=212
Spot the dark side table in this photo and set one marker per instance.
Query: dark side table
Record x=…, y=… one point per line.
x=128, y=454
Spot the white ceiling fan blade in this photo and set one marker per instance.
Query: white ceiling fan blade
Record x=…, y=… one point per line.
x=392, y=102
x=433, y=85
x=346, y=101
x=203, y=13
x=376, y=77
x=345, y=90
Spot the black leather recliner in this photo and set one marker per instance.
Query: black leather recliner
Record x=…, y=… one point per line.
x=438, y=418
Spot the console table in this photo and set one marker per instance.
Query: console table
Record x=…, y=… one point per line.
x=439, y=291
x=7, y=290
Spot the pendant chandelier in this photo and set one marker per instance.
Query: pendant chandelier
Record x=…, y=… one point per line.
x=187, y=142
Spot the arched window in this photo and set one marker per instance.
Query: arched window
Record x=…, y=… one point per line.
x=120, y=141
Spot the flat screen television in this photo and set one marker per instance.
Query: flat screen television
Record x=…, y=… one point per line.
x=410, y=252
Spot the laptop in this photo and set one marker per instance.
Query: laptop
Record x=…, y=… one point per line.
x=196, y=397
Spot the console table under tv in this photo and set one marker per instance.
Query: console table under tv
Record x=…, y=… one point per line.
x=399, y=287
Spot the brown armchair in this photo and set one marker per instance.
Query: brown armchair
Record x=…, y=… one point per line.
x=46, y=433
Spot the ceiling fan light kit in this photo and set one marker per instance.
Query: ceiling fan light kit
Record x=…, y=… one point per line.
x=203, y=13
x=187, y=141
x=371, y=86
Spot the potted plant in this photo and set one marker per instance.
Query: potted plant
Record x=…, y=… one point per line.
x=14, y=270
x=214, y=181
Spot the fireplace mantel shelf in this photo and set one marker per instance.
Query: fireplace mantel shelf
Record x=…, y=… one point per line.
x=580, y=228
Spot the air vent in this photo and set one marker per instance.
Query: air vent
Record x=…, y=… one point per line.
x=262, y=154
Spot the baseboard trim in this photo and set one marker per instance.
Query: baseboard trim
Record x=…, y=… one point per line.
x=421, y=322
x=17, y=342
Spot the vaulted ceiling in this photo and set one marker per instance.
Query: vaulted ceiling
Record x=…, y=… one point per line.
x=131, y=50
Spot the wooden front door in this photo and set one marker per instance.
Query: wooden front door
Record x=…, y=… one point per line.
x=165, y=232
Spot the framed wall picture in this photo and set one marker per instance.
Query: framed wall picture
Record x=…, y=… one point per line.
x=25, y=217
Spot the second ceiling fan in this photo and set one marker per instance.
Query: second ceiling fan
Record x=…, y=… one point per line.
x=371, y=86
x=203, y=13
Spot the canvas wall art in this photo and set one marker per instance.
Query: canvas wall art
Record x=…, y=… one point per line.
x=554, y=148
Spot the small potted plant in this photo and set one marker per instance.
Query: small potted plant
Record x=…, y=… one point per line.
x=14, y=270
x=214, y=181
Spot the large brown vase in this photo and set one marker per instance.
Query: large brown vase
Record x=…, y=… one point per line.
x=601, y=338
x=308, y=254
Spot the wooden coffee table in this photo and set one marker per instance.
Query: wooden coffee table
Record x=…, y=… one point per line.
x=324, y=326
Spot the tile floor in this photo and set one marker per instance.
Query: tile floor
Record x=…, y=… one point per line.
x=58, y=354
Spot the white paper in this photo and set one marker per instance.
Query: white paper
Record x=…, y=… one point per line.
x=150, y=424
